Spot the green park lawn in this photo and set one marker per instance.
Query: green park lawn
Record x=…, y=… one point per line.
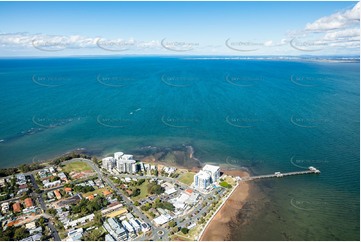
x=76, y=166
x=143, y=191
x=186, y=178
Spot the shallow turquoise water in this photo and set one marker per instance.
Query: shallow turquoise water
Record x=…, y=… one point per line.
x=266, y=115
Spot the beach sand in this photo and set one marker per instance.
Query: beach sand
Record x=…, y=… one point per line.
x=219, y=227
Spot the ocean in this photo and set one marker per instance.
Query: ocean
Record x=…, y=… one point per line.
x=265, y=115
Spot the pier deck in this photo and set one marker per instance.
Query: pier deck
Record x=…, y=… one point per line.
x=311, y=170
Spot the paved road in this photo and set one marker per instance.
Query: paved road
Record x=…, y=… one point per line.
x=183, y=221
x=127, y=202
x=39, y=197
x=54, y=231
x=190, y=217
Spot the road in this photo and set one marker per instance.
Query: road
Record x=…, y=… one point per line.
x=38, y=196
x=182, y=221
x=190, y=217
x=155, y=230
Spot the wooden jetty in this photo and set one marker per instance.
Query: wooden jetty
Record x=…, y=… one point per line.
x=311, y=170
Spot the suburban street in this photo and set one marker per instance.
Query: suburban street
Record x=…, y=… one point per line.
x=155, y=230
x=157, y=233
x=38, y=196
x=189, y=218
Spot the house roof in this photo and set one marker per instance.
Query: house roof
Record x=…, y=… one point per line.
x=189, y=191
x=16, y=207
x=28, y=202
x=106, y=192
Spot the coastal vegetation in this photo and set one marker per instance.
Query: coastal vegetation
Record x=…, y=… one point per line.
x=23, y=168
x=69, y=156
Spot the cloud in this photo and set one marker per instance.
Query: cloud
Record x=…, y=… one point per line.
x=268, y=43
x=338, y=31
x=337, y=20
x=345, y=34
x=60, y=42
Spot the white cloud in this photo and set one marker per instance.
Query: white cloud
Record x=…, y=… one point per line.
x=337, y=20
x=60, y=42
x=268, y=43
x=345, y=34
x=338, y=31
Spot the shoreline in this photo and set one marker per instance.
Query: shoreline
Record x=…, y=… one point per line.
x=218, y=228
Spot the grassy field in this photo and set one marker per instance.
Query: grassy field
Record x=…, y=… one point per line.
x=187, y=178
x=230, y=180
x=143, y=191
x=97, y=191
x=76, y=166
x=180, y=237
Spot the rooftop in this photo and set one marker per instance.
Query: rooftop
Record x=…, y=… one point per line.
x=28, y=202
x=211, y=168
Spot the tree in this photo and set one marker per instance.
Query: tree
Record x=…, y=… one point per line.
x=24, y=168
x=156, y=171
x=94, y=235
x=146, y=207
x=98, y=218
x=201, y=220
x=152, y=214
x=52, y=211
x=172, y=224
x=41, y=222
x=185, y=230
x=154, y=188
x=140, y=182
x=136, y=203
x=225, y=184
x=135, y=192
x=95, y=160
x=176, y=229
x=20, y=233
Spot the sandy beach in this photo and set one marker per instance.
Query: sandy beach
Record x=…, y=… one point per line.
x=218, y=228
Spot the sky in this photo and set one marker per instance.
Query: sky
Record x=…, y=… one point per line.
x=179, y=28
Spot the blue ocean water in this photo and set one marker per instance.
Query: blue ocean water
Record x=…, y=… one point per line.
x=266, y=115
